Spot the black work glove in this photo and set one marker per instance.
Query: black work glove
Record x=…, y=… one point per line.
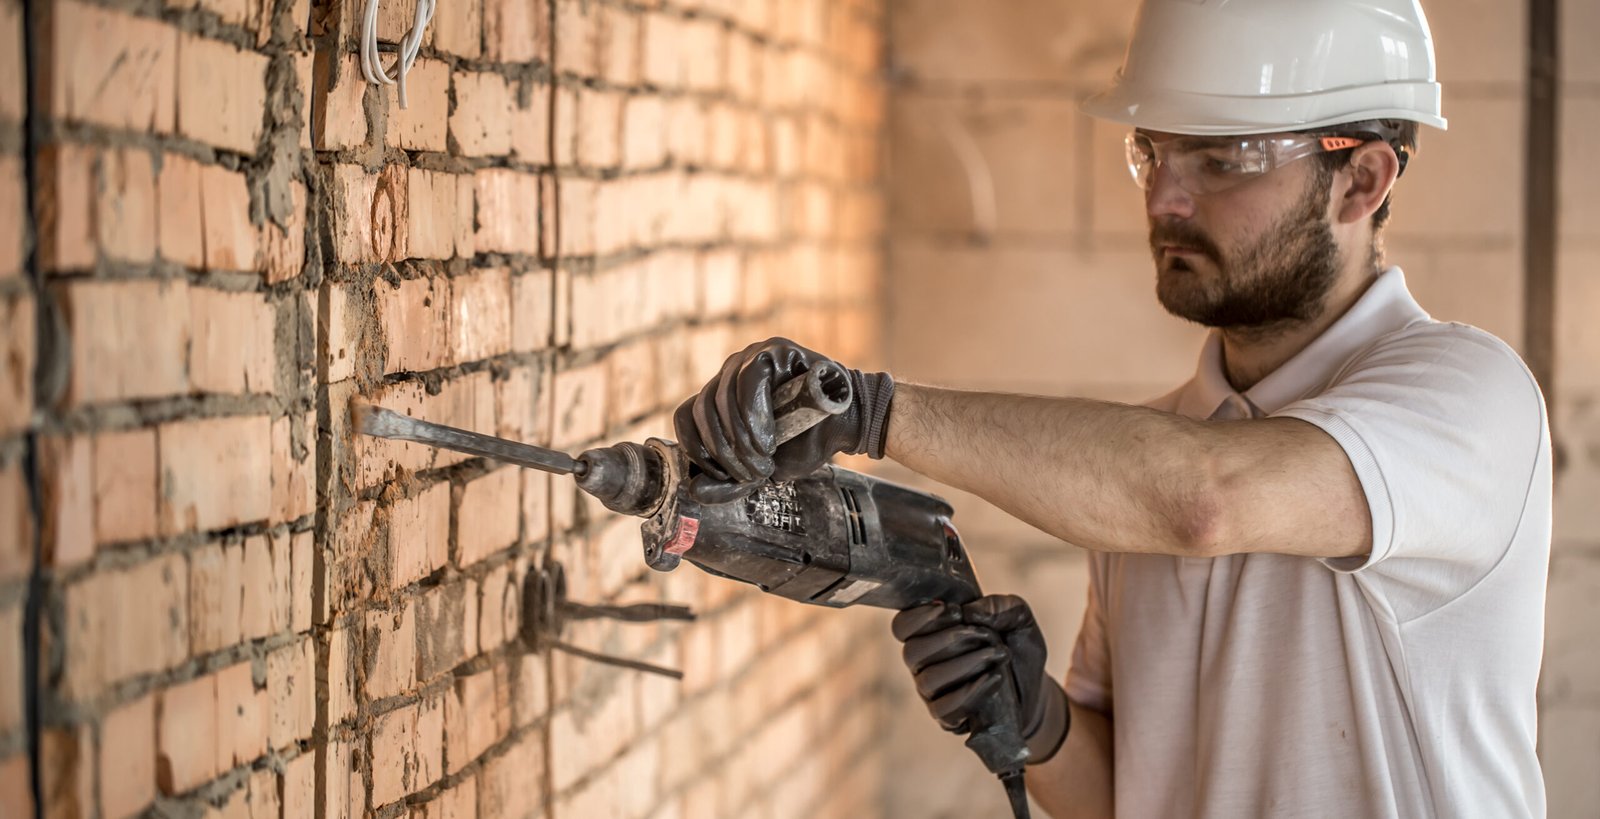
x=729, y=431
x=958, y=657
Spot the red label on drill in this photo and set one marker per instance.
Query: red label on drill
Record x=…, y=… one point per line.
x=683, y=541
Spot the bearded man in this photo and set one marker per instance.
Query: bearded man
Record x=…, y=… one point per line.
x=1318, y=568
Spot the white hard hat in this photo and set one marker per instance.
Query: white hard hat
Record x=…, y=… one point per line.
x=1259, y=66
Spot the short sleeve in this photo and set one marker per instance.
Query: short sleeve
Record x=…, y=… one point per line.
x=1089, y=677
x=1444, y=426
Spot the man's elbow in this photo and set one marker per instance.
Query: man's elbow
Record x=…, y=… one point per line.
x=1199, y=526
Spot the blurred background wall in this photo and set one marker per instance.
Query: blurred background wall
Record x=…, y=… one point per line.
x=1018, y=262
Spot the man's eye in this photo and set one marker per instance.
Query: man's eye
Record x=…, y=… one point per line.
x=1216, y=164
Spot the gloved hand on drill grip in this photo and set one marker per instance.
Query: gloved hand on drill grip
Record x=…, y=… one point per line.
x=729, y=431
x=958, y=656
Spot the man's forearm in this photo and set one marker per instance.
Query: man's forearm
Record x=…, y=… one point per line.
x=1104, y=476
x=1077, y=782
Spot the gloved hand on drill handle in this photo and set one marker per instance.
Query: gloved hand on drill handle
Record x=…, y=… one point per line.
x=958, y=656
x=729, y=431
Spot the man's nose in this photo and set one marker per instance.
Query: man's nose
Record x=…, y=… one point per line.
x=1165, y=198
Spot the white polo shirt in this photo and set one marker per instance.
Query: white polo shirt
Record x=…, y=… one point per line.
x=1401, y=684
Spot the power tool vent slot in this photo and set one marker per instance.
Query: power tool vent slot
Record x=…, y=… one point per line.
x=852, y=507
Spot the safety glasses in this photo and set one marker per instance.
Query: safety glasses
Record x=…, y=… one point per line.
x=1202, y=165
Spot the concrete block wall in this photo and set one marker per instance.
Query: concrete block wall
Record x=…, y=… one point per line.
x=1018, y=262
x=247, y=609
x=1569, y=698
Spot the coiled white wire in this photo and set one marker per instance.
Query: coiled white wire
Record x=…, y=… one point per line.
x=372, y=66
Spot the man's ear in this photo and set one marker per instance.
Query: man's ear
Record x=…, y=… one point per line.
x=1373, y=168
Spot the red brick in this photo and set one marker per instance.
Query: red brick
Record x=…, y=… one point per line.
x=299, y=787
x=486, y=516
x=458, y=28
x=466, y=241
x=13, y=212
x=662, y=61
x=230, y=239
x=632, y=379
x=125, y=205
x=480, y=315
x=461, y=801
x=16, y=786
x=508, y=211
x=421, y=125
x=536, y=505
x=187, y=735
x=580, y=411
x=599, y=141
x=522, y=408
x=618, y=44
x=215, y=473
x=577, y=24
x=342, y=121
x=124, y=466
x=503, y=782
x=13, y=94
x=578, y=215
x=283, y=247
x=406, y=750
x=447, y=627
x=181, y=233
x=231, y=342
x=264, y=611
x=230, y=87
x=242, y=717
x=516, y=31
x=530, y=125
x=300, y=566
x=370, y=215
x=643, y=125
x=341, y=676
x=216, y=592
x=128, y=758
x=470, y=724
x=236, y=12
x=293, y=471
x=499, y=609
x=112, y=69
x=431, y=199
x=11, y=668
x=292, y=693
x=66, y=464
x=66, y=225
x=17, y=340
x=566, y=136
x=532, y=299
x=392, y=669
x=481, y=122
x=103, y=315
x=419, y=535
x=415, y=317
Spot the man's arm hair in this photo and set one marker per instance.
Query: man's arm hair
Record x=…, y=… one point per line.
x=1076, y=782
x=1119, y=478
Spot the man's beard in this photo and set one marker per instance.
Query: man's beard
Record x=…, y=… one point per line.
x=1280, y=281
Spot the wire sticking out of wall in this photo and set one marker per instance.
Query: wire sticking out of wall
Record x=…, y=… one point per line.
x=372, y=64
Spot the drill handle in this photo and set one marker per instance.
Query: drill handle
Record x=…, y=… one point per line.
x=804, y=401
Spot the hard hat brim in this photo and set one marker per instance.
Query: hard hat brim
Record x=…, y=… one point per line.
x=1179, y=112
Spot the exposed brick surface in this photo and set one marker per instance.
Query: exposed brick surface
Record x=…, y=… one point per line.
x=237, y=565
x=112, y=68
x=128, y=757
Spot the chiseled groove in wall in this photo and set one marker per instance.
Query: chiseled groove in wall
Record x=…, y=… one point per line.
x=1540, y=207
x=321, y=229
x=33, y=132
x=552, y=252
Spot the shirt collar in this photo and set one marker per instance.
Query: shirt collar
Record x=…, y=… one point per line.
x=1387, y=306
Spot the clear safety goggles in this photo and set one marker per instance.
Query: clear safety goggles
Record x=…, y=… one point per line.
x=1203, y=164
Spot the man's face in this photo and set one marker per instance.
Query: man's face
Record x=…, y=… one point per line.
x=1256, y=256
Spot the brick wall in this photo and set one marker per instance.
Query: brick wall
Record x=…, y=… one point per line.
x=249, y=611
x=1012, y=218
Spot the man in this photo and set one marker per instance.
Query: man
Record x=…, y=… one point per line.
x=1318, y=568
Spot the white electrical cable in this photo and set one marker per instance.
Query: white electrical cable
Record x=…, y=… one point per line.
x=372, y=66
